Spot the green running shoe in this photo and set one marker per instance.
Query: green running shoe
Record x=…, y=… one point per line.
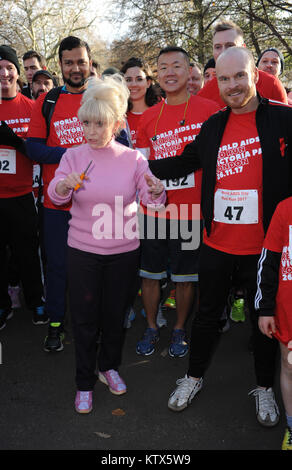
x=54, y=340
x=237, y=310
x=287, y=441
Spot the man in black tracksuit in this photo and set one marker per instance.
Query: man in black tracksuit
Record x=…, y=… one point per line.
x=245, y=151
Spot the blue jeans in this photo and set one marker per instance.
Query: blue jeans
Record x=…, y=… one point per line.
x=56, y=224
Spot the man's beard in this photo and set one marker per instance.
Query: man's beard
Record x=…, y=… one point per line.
x=37, y=94
x=75, y=84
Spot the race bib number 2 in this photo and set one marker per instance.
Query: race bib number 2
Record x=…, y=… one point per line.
x=236, y=207
x=8, y=161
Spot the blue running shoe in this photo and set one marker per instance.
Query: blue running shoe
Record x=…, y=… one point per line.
x=178, y=346
x=145, y=346
x=39, y=316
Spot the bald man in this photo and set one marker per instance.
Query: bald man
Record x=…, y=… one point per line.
x=246, y=161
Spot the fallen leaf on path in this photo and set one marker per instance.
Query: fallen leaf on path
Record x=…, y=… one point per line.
x=138, y=363
x=102, y=434
x=118, y=412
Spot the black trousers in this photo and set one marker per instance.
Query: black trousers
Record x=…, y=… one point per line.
x=215, y=279
x=19, y=231
x=100, y=291
x=56, y=225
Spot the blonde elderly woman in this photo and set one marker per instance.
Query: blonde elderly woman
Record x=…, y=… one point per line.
x=101, y=179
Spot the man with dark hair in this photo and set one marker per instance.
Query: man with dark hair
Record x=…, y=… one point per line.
x=47, y=148
x=209, y=70
x=228, y=34
x=167, y=49
x=164, y=130
x=17, y=209
x=73, y=42
x=245, y=153
x=42, y=82
x=32, y=61
x=34, y=54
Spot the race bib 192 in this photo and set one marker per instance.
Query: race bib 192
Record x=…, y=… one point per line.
x=180, y=183
x=8, y=161
x=236, y=207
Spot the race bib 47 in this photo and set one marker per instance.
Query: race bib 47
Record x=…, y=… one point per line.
x=236, y=207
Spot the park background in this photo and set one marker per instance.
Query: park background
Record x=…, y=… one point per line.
x=119, y=29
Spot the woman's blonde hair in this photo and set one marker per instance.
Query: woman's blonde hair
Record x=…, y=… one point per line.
x=105, y=100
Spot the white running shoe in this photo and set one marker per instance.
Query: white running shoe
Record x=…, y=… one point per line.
x=184, y=393
x=267, y=410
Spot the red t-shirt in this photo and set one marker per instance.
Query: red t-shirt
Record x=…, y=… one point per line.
x=65, y=131
x=279, y=239
x=15, y=168
x=163, y=122
x=268, y=86
x=237, y=226
x=133, y=121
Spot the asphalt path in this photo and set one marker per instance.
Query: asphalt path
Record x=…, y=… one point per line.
x=37, y=393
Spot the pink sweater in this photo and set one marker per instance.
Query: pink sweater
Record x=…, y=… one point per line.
x=104, y=210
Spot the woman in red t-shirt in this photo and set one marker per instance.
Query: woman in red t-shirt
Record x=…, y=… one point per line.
x=143, y=93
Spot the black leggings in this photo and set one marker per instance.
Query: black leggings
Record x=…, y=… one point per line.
x=215, y=277
x=100, y=291
x=19, y=232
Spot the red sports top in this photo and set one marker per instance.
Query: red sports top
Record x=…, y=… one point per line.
x=15, y=168
x=65, y=131
x=133, y=121
x=268, y=86
x=163, y=123
x=237, y=225
x=279, y=239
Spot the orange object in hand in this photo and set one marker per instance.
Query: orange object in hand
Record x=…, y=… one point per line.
x=82, y=176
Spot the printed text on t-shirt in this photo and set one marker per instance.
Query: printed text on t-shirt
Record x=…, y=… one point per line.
x=167, y=144
x=232, y=158
x=69, y=131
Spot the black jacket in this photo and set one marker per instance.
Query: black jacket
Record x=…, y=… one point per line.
x=274, y=126
x=267, y=282
x=26, y=91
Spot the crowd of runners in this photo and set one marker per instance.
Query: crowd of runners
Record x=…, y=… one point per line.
x=116, y=183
